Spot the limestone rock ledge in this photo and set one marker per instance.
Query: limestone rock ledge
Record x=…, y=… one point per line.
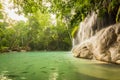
x=103, y=46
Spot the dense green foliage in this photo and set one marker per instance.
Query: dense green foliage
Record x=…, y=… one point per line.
x=73, y=11
x=36, y=34
x=39, y=33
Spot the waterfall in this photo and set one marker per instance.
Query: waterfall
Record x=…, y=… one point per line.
x=91, y=25
x=98, y=38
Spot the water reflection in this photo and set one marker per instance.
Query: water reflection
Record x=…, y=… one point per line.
x=3, y=76
x=6, y=75
x=53, y=75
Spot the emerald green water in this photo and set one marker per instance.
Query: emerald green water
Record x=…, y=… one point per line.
x=54, y=66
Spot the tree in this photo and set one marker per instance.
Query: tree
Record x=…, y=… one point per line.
x=73, y=11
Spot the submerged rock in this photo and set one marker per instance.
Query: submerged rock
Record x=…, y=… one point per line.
x=102, y=43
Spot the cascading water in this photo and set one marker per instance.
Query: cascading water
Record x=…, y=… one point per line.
x=95, y=38
x=91, y=25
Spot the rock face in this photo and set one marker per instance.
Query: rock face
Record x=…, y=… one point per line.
x=91, y=25
x=98, y=39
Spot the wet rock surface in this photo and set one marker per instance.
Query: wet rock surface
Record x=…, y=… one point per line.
x=103, y=46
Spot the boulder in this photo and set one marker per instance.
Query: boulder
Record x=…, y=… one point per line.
x=103, y=46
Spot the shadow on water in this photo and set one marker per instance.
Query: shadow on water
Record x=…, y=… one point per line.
x=81, y=76
x=24, y=72
x=91, y=70
x=12, y=76
x=5, y=75
x=108, y=65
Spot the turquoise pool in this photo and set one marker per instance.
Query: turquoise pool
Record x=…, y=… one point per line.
x=54, y=66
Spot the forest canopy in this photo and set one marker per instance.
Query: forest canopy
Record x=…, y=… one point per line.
x=72, y=11
x=50, y=22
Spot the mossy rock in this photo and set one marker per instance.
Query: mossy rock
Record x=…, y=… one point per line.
x=4, y=49
x=118, y=16
x=74, y=31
